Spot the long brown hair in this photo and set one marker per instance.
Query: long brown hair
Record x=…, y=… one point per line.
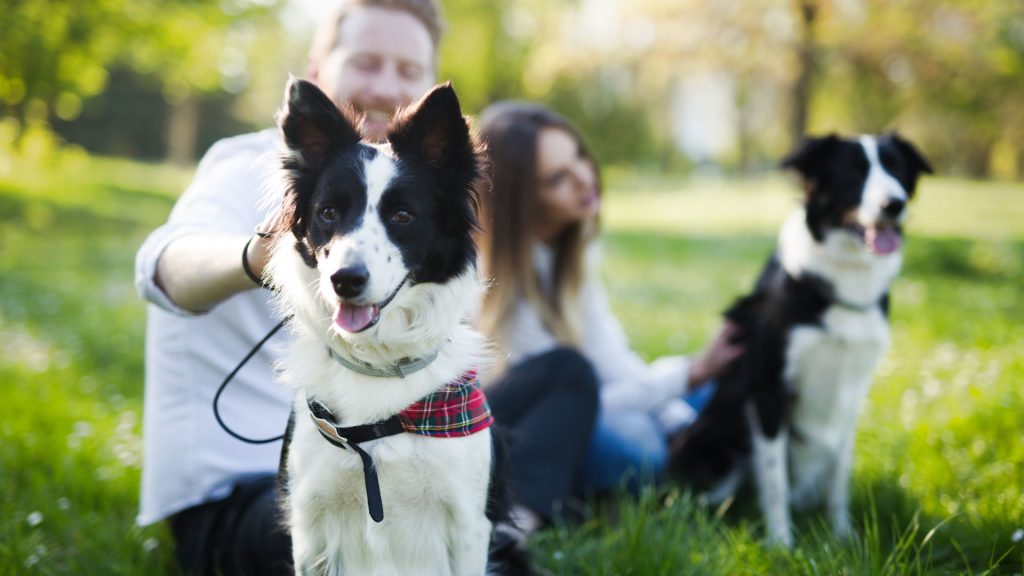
x=511, y=131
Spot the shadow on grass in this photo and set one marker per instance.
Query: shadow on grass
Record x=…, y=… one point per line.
x=117, y=209
x=670, y=532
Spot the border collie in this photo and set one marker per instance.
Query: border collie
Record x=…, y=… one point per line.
x=815, y=328
x=389, y=465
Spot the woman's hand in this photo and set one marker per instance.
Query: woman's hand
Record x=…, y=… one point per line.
x=712, y=361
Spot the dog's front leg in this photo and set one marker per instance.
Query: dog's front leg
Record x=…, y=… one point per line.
x=469, y=532
x=305, y=554
x=469, y=541
x=839, y=488
x=770, y=471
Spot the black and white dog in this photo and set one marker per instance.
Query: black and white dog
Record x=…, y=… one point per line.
x=815, y=328
x=376, y=262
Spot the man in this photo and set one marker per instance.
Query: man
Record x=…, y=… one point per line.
x=217, y=492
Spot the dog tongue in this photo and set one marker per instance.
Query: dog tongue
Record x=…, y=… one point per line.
x=351, y=318
x=882, y=240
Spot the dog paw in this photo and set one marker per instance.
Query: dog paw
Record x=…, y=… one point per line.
x=779, y=539
x=843, y=528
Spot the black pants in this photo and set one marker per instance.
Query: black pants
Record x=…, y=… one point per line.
x=548, y=404
x=242, y=534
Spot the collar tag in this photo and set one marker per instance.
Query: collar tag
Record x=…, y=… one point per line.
x=326, y=427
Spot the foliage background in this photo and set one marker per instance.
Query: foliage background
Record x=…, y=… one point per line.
x=156, y=79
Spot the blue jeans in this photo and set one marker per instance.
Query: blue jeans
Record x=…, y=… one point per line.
x=629, y=449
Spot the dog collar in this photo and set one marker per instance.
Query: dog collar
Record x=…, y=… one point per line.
x=457, y=409
x=400, y=369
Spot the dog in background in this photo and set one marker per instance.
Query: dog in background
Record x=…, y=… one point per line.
x=815, y=327
x=375, y=261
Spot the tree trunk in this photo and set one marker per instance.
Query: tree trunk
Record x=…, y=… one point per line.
x=182, y=127
x=977, y=157
x=806, y=60
x=744, y=128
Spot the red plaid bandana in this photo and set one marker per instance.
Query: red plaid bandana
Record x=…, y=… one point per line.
x=459, y=408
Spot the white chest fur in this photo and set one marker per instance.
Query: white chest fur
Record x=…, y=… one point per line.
x=829, y=368
x=434, y=492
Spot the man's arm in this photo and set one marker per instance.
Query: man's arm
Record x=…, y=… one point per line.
x=200, y=270
x=194, y=261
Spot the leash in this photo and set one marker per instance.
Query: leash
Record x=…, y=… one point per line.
x=223, y=385
x=351, y=437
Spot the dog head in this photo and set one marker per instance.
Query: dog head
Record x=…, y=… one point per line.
x=858, y=187
x=372, y=222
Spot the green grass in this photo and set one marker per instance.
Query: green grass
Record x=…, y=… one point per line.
x=939, y=480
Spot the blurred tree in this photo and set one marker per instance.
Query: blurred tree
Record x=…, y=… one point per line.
x=950, y=71
x=481, y=52
x=807, y=57
x=657, y=46
x=55, y=53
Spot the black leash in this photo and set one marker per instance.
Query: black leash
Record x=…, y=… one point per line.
x=325, y=422
x=216, y=398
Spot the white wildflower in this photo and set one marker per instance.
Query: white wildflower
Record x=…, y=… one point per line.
x=150, y=545
x=34, y=519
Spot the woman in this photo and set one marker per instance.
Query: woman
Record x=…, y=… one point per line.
x=539, y=247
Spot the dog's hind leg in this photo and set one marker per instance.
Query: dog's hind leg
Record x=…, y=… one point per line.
x=771, y=474
x=725, y=488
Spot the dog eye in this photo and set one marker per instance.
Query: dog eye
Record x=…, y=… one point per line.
x=402, y=217
x=328, y=213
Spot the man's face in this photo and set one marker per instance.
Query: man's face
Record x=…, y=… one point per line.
x=383, y=60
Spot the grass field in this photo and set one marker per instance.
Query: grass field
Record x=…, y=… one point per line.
x=939, y=480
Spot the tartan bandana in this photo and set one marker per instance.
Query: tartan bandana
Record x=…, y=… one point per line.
x=459, y=408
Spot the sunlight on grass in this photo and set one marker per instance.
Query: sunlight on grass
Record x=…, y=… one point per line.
x=942, y=208
x=940, y=458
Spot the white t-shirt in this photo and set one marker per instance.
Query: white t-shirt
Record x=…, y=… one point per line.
x=627, y=383
x=188, y=459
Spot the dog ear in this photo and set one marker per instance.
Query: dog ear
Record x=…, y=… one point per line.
x=809, y=155
x=809, y=159
x=914, y=159
x=433, y=130
x=910, y=152
x=434, y=133
x=312, y=126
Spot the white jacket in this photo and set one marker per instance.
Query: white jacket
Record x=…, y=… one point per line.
x=187, y=458
x=626, y=381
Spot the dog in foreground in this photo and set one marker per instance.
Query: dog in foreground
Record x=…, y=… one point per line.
x=815, y=328
x=389, y=465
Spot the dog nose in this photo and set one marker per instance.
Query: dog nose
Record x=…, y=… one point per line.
x=350, y=281
x=893, y=207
